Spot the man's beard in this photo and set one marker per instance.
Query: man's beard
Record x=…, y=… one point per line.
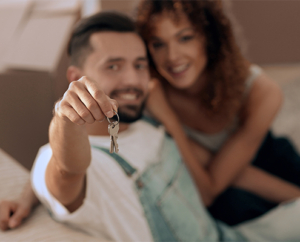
x=131, y=113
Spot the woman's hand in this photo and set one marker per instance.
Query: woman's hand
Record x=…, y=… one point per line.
x=12, y=213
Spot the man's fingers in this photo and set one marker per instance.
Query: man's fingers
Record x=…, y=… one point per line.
x=85, y=102
x=16, y=219
x=80, y=108
x=115, y=104
x=100, y=97
x=71, y=114
x=90, y=103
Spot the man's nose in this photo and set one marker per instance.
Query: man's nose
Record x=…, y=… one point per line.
x=131, y=77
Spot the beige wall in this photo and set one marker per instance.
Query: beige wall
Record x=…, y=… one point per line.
x=126, y=6
x=270, y=28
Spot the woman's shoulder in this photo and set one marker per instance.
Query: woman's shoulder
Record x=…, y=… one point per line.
x=254, y=72
x=261, y=82
x=264, y=91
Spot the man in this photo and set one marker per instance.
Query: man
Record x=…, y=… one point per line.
x=145, y=192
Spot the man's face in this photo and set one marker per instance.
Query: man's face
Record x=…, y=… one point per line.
x=119, y=64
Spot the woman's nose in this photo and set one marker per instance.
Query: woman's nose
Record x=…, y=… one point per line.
x=173, y=52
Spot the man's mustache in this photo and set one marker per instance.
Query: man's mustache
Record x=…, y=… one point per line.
x=138, y=91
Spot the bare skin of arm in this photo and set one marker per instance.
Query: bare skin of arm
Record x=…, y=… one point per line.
x=260, y=109
x=266, y=185
x=209, y=177
x=82, y=104
x=13, y=212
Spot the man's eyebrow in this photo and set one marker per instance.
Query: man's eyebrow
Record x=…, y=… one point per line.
x=142, y=59
x=117, y=59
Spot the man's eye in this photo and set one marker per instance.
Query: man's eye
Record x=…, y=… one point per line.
x=113, y=67
x=186, y=38
x=157, y=45
x=141, y=66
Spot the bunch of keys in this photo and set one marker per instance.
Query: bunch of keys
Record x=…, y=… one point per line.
x=113, y=129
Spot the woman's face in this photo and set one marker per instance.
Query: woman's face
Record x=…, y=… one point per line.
x=178, y=51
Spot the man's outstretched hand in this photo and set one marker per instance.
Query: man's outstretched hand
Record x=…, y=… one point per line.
x=85, y=102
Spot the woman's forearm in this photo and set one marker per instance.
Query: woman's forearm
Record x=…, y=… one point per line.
x=266, y=185
x=198, y=172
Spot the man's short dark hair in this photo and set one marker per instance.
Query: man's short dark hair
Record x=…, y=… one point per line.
x=79, y=45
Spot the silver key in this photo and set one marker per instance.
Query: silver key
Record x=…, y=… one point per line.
x=112, y=146
x=115, y=136
x=113, y=129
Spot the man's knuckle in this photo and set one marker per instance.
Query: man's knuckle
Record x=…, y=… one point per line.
x=106, y=106
x=98, y=94
x=85, y=114
x=75, y=119
x=92, y=106
x=83, y=79
x=72, y=85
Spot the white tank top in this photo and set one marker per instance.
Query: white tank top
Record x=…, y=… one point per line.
x=214, y=142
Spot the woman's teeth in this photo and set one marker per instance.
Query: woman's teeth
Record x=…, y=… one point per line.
x=179, y=69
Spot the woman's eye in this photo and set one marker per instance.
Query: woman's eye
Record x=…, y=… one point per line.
x=186, y=38
x=113, y=67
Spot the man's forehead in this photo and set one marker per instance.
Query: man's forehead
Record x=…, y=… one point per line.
x=118, y=45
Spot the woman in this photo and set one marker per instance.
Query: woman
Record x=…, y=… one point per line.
x=225, y=104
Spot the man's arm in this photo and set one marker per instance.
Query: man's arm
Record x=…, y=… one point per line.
x=13, y=212
x=83, y=103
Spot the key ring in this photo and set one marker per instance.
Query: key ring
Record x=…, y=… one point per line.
x=117, y=116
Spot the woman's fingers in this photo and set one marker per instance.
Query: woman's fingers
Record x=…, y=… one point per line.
x=6, y=209
x=17, y=217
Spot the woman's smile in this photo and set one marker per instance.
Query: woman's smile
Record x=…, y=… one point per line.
x=178, y=51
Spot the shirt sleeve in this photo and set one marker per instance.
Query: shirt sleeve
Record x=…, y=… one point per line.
x=55, y=208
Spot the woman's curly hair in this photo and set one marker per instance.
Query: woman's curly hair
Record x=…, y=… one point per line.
x=226, y=67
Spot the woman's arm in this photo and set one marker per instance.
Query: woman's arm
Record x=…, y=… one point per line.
x=266, y=185
x=159, y=107
x=259, y=110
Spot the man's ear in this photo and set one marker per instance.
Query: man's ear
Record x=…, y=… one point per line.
x=73, y=73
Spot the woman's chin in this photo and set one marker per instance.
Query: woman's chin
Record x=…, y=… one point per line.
x=181, y=84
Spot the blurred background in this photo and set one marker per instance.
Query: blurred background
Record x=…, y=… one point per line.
x=33, y=61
